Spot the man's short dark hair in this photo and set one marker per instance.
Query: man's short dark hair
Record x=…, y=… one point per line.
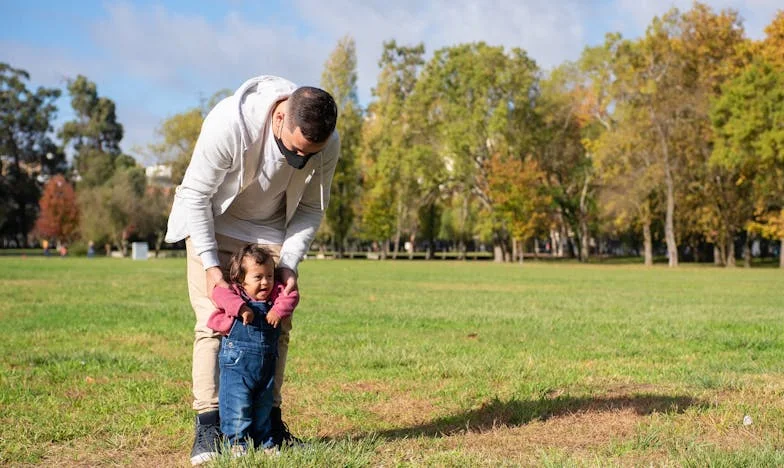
x=314, y=111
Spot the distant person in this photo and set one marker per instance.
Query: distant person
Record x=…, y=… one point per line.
x=107, y=247
x=45, y=246
x=260, y=173
x=63, y=250
x=248, y=315
x=90, y=249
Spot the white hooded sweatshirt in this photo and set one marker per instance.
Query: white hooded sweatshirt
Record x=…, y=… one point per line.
x=227, y=159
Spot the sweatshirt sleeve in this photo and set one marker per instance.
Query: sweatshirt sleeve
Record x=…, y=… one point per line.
x=228, y=300
x=216, y=150
x=307, y=217
x=283, y=305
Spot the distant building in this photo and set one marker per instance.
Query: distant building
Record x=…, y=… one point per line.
x=159, y=175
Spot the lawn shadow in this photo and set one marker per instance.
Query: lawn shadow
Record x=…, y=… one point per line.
x=519, y=412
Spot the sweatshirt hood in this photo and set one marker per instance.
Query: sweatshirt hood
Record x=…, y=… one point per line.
x=255, y=101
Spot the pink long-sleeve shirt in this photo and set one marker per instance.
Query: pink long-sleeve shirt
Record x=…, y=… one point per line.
x=230, y=300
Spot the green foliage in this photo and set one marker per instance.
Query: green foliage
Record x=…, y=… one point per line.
x=96, y=123
x=26, y=148
x=112, y=212
x=396, y=171
x=94, y=135
x=340, y=80
x=475, y=100
x=746, y=119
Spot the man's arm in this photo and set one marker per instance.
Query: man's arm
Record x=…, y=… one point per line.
x=218, y=147
x=307, y=217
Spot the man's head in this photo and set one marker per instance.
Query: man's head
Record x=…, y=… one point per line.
x=304, y=122
x=314, y=111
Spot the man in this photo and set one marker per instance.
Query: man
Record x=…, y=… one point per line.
x=260, y=172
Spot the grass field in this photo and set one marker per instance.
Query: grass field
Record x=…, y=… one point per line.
x=399, y=363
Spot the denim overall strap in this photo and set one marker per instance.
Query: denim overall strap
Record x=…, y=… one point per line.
x=257, y=335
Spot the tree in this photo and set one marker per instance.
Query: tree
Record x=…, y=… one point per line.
x=25, y=127
x=572, y=108
x=95, y=134
x=340, y=79
x=519, y=193
x=152, y=222
x=390, y=182
x=113, y=212
x=629, y=176
x=477, y=100
x=750, y=141
x=59, y=215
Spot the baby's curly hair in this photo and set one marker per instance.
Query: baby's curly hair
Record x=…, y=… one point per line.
x=259, y=254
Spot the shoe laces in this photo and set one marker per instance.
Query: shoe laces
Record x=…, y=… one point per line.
x=208, y=434
x=286, y=435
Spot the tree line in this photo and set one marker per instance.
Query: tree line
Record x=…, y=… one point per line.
x=670, y=143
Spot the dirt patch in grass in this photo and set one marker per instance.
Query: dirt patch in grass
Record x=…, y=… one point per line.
x=520, y=431
x=146, y=450
x=400, y=410
x=365, y=386
x=579, y=435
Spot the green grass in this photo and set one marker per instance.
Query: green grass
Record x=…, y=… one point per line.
x=410, y=364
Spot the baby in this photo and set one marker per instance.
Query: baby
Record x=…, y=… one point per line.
x=248, y=315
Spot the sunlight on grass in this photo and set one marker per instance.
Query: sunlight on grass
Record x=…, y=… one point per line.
x=410, y=363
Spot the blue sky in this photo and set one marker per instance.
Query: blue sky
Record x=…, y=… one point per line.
x=155, y=59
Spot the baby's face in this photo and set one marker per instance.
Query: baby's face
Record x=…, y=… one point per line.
x=258, y=279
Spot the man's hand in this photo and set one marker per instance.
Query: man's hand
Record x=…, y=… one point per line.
x=289, y=280
x=273, y=318
x=247, y=315
x=214, y=278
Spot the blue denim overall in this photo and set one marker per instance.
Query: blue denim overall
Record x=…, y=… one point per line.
x=247, y=360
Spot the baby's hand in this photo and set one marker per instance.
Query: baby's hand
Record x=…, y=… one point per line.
x=273, y=318
x=247, y=315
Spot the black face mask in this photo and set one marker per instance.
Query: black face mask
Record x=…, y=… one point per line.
x=296, y=161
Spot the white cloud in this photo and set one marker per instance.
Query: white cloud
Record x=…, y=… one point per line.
x=186, y=51
x=551, y=32
x=154, y=62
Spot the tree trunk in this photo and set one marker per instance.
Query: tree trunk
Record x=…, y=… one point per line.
x=696, y=249
x=747, y=251
x=669, y=218
x=584, y=235
x=648, y=242
x=521, y=251
x=159, y=236
x=781, y=253
x=412, y=240
x=584, y=240
x=669, y=223
x=718, y=255
x=515, y=252
x=730, y=262
x=498, y=252
x=564, y=244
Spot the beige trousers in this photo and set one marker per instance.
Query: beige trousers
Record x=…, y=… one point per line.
x=206, y=343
